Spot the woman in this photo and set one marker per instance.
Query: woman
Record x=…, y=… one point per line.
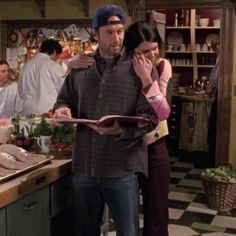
x=144, y=40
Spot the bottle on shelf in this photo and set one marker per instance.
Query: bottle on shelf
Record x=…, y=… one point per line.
x=176, y=20
x=182, y=18
x=187, y=20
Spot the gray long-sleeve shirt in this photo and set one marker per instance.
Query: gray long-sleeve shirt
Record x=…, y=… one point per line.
x=118, y=91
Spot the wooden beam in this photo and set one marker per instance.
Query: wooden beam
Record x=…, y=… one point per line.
x=136, y=9
x=86, y=7
x=42, y=7
x=225, y=86
x=179, y=4
x=129, y=6
x=234, y=3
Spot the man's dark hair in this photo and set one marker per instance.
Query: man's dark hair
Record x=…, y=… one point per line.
x=3, y=62
x=49, y=46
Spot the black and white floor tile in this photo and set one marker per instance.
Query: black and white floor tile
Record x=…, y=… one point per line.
x=189, y=213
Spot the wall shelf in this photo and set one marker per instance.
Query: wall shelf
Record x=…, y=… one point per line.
x=192, y=36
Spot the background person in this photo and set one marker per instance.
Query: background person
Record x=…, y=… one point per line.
x=41, y=79
x=106, y=160
x=214, y=77
x=10, y=101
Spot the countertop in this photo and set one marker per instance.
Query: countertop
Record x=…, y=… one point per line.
x=16, y=188
x=194, y=97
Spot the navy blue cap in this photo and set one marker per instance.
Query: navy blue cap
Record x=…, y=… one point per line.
x=103, y=14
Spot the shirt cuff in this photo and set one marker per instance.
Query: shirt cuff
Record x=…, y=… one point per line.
x=156, y=98
x=152, y=90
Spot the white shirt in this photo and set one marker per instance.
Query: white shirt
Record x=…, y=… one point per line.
x=10, y=101
x=39, y=83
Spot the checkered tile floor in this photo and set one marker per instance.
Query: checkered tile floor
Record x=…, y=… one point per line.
x=188, y=208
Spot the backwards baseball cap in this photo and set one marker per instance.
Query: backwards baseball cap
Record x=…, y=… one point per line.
x=103, y=14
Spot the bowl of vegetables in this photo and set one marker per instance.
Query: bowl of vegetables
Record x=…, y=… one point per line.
x=219, y=185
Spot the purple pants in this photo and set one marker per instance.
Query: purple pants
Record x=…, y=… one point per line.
x=155, y=190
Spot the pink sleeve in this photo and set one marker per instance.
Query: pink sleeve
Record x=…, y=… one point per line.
x=165, y=77
x=161, y=107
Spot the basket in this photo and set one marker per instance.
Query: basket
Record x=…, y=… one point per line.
x=221, y=196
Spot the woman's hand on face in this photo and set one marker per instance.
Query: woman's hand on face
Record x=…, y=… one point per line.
x=143, y=68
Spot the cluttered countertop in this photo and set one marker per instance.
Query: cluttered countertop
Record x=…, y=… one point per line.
x=195, y=97
x=18, y=187
x=33, y=153
x=190, y=94
x=201, y=90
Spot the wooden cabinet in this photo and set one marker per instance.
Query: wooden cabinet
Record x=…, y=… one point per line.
x=3, y=222
x=43, y=213
x=188, y=46
x=29, y=216
x=27, y=202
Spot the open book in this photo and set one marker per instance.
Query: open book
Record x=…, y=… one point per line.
x=103, y=121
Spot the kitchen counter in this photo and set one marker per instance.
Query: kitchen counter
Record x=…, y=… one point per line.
x=195, y=97
x=16, y=188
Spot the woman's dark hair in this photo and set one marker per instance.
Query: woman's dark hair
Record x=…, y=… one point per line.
x=49, y=46
x=140, y=32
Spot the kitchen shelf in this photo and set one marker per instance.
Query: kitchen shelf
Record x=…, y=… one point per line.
x=182, y=66
x=205, y=52
x=205, y=66
x=179, y=52
x=202, y=61
x=178, y=27
x=207, y=28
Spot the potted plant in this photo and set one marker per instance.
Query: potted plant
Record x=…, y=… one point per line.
x=62, y=139
x=219, y=185
x=43, y=131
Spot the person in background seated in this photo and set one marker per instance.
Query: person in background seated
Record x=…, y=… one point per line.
x=10, y=101
x=214, y=76
x=144, y=42
x=41, y=79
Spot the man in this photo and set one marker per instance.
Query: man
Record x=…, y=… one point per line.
x=105, y=160
x=10, y=101
x=41, y=79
